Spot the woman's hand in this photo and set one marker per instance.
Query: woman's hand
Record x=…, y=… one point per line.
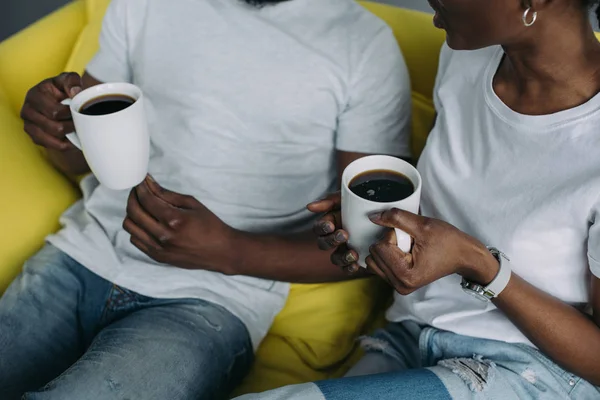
x=439, y=250
x=330, y=233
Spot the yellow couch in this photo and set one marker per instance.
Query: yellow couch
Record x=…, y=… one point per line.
x=313, y=337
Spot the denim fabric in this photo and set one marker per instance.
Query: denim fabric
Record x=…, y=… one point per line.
x=405, y=361
x=66, y=333
x=472, y=368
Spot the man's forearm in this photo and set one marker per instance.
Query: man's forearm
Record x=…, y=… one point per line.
x=293, y=258
x=70, y=162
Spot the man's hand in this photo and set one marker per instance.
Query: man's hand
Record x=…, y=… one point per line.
x=47, y=121
x=330, y=234
x=178, y=230
x=439, y=250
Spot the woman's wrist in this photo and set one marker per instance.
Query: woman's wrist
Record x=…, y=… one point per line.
x=482, y=267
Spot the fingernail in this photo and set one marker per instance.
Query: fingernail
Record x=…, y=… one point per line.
x=340, y=237
x=326, y=227
x=75, y=90
x=349, y=257
x=315, y=202
x=376, y=216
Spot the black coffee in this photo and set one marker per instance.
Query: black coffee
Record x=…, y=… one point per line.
x=382, y=186
x=108, y=104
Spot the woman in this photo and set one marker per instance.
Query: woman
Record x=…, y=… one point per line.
x=512, y=162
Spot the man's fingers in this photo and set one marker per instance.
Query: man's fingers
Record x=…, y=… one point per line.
x=175, y=199
x=143, y=219
x=48, y=106
x=155, y=206
x=69, y=83
x=396, y=218
x=343, y=256
x=48, y=126
x=329, y=203
x=327, y=224
x=333, y=240
x=139, y=235
x=41, y=138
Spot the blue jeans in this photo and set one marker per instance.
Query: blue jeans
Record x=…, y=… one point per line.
x=66, y=333
x=406, y=362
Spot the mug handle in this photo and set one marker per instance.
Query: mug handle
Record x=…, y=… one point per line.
x=73, y=138
x=404, y=240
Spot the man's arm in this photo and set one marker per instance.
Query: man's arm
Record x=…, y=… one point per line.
x=178, y=230
x=294, y=258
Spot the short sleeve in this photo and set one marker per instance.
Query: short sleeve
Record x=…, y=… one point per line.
x=376, y=119
x=594, y=245
x=111, y=63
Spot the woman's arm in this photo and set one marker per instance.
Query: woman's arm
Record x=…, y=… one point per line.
x=563, y=333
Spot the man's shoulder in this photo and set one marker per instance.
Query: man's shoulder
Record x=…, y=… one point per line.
x=362, y=21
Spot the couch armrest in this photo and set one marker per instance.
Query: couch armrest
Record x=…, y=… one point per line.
x=38, y=52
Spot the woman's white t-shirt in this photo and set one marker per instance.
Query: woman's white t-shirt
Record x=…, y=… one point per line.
x=528, y=185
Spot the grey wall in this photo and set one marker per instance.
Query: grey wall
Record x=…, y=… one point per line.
x=17, y=14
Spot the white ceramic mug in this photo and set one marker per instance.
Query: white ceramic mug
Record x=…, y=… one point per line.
x=355, y=210
x=116, y=146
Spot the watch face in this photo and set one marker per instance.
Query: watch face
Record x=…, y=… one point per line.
x=476, y=295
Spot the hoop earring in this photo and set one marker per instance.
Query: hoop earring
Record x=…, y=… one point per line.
x=533, y=19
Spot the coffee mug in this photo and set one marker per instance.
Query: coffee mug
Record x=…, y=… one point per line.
x=116, y=145
x=356, y=210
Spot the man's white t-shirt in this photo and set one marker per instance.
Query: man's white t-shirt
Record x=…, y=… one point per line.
x=247, y=107
x=528, y=185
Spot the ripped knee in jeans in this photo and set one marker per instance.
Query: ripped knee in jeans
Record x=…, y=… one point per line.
x=475, y=372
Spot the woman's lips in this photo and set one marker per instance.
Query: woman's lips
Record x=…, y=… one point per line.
x=437, y=18
x=437, y=21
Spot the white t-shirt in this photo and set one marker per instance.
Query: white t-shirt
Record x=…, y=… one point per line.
x=247, y=107
x=528, y=185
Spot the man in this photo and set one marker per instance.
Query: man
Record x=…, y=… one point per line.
x=254, y=109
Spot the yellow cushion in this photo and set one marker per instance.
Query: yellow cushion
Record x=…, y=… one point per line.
x=38, y=52
x=33, y=196
x=314, y=337
x=87, y=43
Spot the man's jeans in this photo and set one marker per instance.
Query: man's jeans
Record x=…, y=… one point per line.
x=66, y=333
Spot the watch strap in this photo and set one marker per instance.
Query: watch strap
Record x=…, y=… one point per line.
x=499, y=283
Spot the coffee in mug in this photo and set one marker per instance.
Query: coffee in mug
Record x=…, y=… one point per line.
x=107, y=104
x=373, y=184
x=382, y=186
x=112, y=131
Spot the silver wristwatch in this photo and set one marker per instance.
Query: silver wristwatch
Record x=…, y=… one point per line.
x=496, y=286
